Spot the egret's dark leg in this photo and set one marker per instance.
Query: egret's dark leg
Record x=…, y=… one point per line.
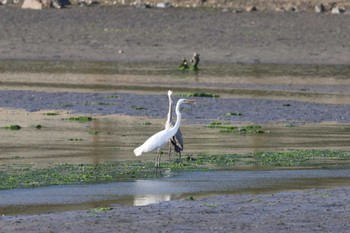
x=158, y=160
x=170, y=151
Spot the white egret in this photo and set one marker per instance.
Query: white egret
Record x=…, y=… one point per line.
x=176, y=141
x=158, y=140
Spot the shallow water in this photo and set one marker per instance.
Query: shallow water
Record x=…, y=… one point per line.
x=182, y=186
x=313, y=83
x=113, y=137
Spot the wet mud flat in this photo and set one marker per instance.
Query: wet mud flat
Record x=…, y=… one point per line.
x=321, y=210
x=204, y=111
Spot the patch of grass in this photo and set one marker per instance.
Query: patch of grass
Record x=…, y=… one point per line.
x=200, y=94
x=51, y=113
x=228, y=128
x=38, y=126
x=13, y=127
x=233, y=114
x=80, y=118
x=138, y=108
x=75, y=139
x=191, y=198
x=105, y=103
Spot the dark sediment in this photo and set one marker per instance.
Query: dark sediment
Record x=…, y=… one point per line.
x=204, y=111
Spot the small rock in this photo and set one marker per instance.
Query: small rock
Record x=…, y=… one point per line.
x=56, y=4
x=225, y=10
x=163, y=5
x=140, y=5
x=338, y=10
x=32, y=4
x=251, y=8
x=319, y=8
x=292, y=8
x=280, y=9
x=239, y=10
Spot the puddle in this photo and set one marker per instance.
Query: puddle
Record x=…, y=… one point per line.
x=182, y=186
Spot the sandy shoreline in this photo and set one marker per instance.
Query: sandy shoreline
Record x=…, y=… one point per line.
x=127, y=35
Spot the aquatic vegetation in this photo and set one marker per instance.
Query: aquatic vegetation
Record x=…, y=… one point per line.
x=200, y=94
x=299, y=157
x=93, y=132
x=105, y=103
x=75, y=139
x=194, y=67
x=28, y=175
x=138, y=108
x=233, y=114
x=66, y=105
x=222, y=160
x=191, y=198
x=228, y=128
x=13, y=127
x=51, y=113
x=80, y=118
x=100, y=209
x=146, y=123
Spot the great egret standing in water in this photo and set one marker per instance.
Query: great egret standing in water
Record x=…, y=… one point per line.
x=176, y=141
x=158, y=140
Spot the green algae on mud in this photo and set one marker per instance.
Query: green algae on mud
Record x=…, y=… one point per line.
x=229, y=128
x=27, y=176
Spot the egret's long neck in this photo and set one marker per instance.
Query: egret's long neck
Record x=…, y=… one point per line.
x=178, y=118
x=168, y=121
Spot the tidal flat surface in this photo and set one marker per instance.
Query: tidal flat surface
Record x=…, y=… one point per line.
x=298, y=107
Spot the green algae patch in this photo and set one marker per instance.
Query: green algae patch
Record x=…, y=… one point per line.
x=51, y=113
x=29, y=176
x=80, y=118
x=229, y=128
x=13, y=127
x=100, y=209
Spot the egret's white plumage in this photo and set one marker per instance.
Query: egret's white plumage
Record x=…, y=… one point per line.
x=158, y=140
